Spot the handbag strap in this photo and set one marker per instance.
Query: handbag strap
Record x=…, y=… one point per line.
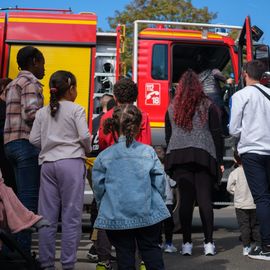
x=263, y=92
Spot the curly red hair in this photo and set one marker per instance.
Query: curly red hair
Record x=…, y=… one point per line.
x=188, y=99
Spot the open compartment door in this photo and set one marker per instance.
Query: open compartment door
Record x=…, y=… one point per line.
x=256, y=51
x=245, y=39
x=245, y=46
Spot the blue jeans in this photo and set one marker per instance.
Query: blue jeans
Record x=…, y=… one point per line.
x=257, y=171
x=24, y=160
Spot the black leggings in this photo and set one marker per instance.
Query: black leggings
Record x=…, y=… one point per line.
x=195, y=185
x=146, y=238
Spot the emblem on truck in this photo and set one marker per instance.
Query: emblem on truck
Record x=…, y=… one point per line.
x=152, y=94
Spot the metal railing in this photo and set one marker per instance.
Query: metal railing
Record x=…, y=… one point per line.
x=203, y=26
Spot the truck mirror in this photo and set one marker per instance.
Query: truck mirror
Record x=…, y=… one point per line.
x=256, y=33
x=261, y=52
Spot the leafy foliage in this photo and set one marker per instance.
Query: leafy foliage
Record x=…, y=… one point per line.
x=164, y=10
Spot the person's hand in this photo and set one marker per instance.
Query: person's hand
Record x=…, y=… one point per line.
x=230, y=81
x=222, y=168
x=88, y=154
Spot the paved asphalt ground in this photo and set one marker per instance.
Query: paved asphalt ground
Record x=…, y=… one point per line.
x=229, y=249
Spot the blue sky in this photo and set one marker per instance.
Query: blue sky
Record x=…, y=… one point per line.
x=231, y=12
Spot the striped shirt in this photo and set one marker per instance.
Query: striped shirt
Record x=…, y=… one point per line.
x=23, y=98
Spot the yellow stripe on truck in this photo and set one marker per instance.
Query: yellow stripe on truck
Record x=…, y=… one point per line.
x=157, y=124
x=53, y=21
x=177, y=34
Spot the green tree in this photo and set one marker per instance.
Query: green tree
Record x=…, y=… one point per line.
x=165, y=10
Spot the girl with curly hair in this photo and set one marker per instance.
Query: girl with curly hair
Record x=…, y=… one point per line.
x=129, y=188
x=194, y=155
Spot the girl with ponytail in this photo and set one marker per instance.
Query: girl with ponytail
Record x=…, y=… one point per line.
x=60, y=130
x=129, y=188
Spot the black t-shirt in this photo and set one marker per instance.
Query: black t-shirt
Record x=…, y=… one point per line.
x=95, y=135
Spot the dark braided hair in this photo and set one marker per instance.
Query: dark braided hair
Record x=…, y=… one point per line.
x=126, y=120
x=60, y=83
x=27, y=55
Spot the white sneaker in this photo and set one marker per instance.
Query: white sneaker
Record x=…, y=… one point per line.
x=187, y=249
x=170, y=248
x=209, y=249
x=162, y=246
x=246, y=250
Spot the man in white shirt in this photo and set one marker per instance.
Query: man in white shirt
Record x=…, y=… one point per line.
x=250, y=123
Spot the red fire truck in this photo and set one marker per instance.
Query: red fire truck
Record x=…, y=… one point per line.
x=162, y=52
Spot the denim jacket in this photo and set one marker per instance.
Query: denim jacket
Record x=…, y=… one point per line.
x=129, y=187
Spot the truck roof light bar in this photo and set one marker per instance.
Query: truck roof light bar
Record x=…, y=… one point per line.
x=202, y=25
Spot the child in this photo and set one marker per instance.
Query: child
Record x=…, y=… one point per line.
x=125, y=91
x=168, y=223
x=24, y=97
x=60, y=130
x=101, y=248
x=129, y=187
x=244, y=206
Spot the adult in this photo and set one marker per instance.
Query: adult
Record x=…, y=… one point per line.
x=23, y=98
x=194, y=155
x=250, y=118
x=5, y=165
x=211, y=80
x=125, y=91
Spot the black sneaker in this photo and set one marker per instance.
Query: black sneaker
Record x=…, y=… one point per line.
x=92, y=255
x=112, y=258
x=103, y=266
x=258, y=254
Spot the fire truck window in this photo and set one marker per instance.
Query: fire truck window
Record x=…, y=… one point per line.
x=185, y=56
x=160, y=62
